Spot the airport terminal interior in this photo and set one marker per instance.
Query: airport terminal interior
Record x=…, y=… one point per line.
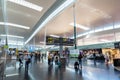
x=59, y=39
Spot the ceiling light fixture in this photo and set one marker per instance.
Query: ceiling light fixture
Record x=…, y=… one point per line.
x=42, y=42
x=98, y=30
x=11, y=36
x=104, y=40
x=14, y=25
x=15, y=43
x=55, y=36
x=53, y=14
x=80, y=26
x=27, y=4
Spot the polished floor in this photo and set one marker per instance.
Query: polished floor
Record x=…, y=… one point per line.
x=91, y=70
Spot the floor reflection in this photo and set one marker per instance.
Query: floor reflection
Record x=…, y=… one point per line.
x=92, y=70
x=50, y=70
x=26, y=76
x=56, y=73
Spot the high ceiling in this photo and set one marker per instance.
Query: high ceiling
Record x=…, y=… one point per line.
x=92, y=14
x=21, y=15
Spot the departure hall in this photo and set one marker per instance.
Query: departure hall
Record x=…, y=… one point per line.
x=59, y=39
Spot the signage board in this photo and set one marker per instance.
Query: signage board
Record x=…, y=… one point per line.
x=59, y=41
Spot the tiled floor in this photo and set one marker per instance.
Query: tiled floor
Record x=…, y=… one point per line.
x=41, y=71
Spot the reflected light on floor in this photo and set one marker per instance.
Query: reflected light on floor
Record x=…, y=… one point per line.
x=31, y=76
x=8, y=68
x=12, y=75
x=70, y=69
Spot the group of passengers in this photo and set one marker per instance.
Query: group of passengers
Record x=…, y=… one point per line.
x=27, y=58
x=53, y=58
x=39, y=57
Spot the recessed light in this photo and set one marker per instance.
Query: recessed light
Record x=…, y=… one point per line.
x=80, y=26
x=11, y=36
x=55, y=36
x=14, y=25
x=27, y=4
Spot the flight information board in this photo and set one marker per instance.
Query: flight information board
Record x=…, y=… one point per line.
x=67, y=42
x=49, y=40
x=59, y=41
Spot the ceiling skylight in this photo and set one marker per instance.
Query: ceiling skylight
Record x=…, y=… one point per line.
x=80, y=26
x=12, y=36
x=27, y=4
x=14, y=25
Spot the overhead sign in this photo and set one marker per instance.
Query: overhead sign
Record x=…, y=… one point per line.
x=67, y=41
x=59, y=41
x=52, y=40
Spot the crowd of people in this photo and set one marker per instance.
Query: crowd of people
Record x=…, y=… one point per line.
x=53, y=58
x=28, y=58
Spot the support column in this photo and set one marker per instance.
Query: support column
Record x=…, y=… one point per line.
x=61, y=47
x=74, y=16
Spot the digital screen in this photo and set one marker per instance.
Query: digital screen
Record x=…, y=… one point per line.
x=49, y=40
x=52, y=40
x=67, y=41
x=59, y=41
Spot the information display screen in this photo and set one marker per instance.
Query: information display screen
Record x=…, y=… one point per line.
x=59, y=41
x=49, y=40
x=67, y=41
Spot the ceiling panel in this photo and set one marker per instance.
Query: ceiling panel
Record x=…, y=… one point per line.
x=89, y=13
x=21, y=15
x=2, y=28
x=1, y=14
x=17, y=31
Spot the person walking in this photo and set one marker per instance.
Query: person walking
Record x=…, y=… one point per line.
x=27, y=61
x=20, y=60
x=80, y=60
x=49, y=59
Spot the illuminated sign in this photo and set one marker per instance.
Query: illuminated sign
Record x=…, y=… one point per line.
x=59, y=41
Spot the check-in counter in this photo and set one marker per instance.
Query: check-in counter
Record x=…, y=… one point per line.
x=116, y=62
